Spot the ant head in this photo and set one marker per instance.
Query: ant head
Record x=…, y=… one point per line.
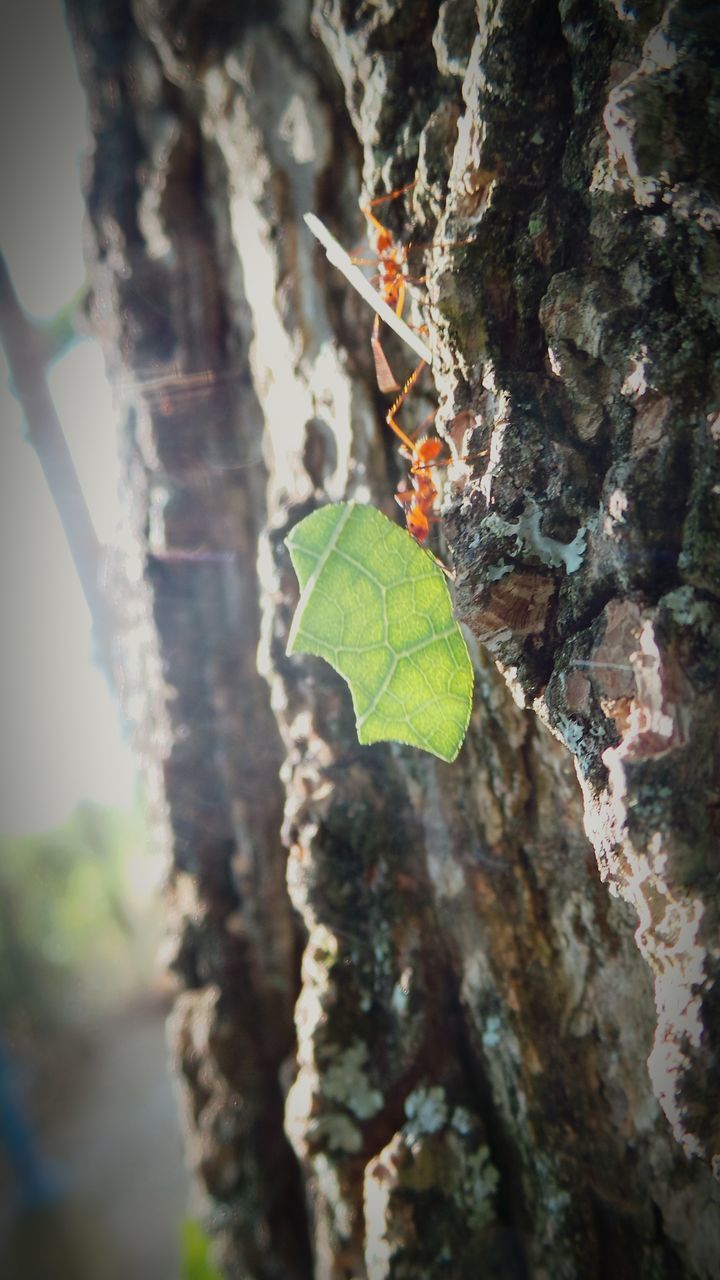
x=429, y=449
x=383, y=240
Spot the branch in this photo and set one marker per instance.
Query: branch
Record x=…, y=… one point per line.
x=26, y=355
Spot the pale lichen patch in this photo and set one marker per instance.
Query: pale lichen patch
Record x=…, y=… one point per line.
x=443, y=1165
x=426, y=1111
x=479, y=1186
x=346, y=1081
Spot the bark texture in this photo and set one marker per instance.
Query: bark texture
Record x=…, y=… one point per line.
x=435, y=1020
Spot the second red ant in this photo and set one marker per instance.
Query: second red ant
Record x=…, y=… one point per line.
x=419, y=501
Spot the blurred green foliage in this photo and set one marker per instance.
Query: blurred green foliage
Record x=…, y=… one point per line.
x=195, y=1253
x=69, y=905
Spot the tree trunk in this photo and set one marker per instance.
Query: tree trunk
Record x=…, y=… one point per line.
x=435, y=1020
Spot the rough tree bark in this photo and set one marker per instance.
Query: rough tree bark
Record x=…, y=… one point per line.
x=477, y=1033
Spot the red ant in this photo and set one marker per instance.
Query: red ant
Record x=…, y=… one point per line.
x=391, y=259
x=418, y=502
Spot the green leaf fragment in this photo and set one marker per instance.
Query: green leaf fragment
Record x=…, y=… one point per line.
x=377, y=608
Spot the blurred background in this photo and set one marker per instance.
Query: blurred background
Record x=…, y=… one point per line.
x=92, y=1182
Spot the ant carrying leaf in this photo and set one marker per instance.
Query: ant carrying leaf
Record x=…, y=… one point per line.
x=354, y=276
x=391, y=259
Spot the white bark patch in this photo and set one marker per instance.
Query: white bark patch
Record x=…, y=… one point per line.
x=529, y=537
x=295, y=130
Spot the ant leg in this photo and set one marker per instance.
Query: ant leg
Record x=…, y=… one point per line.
x=417, y=328
x=390, y=416
x=430, y=245
x=448, y=462
x=389, y=195
x=400, y=297
x=378, y=225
